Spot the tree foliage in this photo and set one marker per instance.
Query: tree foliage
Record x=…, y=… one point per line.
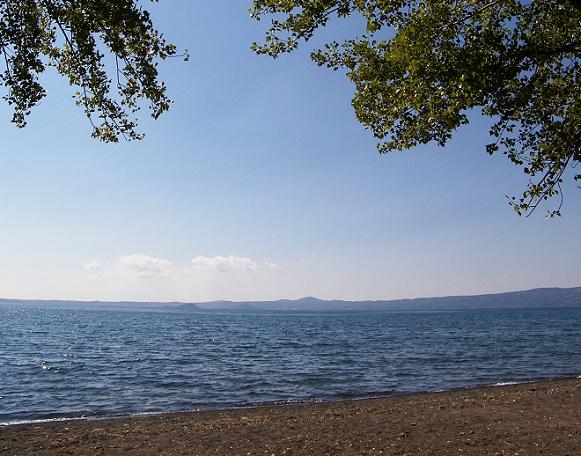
x=107, y=49
x=421, y=66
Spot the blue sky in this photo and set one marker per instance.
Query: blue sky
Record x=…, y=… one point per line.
x=260, y=184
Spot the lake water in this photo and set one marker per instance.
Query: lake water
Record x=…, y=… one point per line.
x=57, y=363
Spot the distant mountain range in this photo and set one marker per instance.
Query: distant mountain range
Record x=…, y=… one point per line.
x=537, y=298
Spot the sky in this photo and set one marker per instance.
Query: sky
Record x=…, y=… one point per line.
x=259, y=183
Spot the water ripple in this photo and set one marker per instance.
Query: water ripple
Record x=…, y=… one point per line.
x=57, y=363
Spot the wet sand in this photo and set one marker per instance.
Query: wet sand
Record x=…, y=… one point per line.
x=532, y=419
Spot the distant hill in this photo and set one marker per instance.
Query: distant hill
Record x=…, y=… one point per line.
x=68, y=304
x=537, y=298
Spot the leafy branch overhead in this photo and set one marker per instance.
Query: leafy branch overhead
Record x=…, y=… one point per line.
x=419, y=67
x=108, y=49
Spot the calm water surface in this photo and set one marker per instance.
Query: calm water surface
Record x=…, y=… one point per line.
x=68, y=363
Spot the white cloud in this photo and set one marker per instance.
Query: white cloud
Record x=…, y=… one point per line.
x=202, y=268
x=144, y=266
x=92, y=268
x=230, y=263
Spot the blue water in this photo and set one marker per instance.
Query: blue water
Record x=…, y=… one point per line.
x=68, y=363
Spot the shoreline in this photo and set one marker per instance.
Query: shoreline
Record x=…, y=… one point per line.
x=130, y=415
x=540, y=417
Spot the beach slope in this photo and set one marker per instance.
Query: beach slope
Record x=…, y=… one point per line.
x=531, y=419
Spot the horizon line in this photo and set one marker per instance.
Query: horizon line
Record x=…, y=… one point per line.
x=89, y=301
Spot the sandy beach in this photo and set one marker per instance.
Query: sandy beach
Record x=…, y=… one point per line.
x=531, y=419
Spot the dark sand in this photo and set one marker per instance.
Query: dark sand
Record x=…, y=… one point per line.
x=532, y=419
